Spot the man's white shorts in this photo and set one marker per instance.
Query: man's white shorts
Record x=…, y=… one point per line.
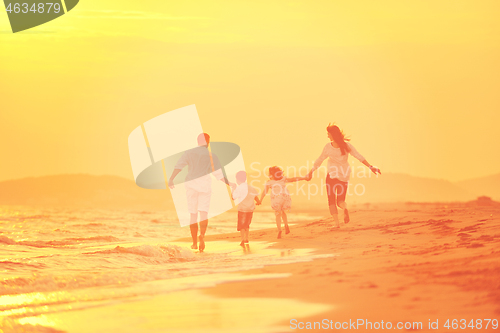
x=197, y=201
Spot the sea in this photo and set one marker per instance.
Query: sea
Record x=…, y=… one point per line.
x=62, y=269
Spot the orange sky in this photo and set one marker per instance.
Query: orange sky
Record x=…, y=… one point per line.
x=415, y=84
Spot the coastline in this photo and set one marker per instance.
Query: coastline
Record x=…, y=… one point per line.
x=396, y=264
x=393, y=263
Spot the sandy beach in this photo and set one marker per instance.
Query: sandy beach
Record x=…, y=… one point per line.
x=399, y=266
x=396, y=263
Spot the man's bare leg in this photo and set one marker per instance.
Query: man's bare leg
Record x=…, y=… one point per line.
x=194, y=230
x=203, y=229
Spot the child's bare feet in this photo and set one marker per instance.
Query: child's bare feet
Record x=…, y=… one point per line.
x=279, y=234
x=194, y=246
x=287, y=229
x=346, y=216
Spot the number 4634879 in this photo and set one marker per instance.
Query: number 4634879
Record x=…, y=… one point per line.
x=40, y=8
x=477, y=324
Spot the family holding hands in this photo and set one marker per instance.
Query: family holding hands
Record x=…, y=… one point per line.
x=338, y=174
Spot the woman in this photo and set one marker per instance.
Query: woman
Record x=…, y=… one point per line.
x=339, y=170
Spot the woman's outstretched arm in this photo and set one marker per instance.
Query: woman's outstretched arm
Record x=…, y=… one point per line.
x=363, y=160
x=375, y=170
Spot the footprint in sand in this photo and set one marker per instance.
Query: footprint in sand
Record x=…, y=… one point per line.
x=471, y=228
x=475, y=245
x=486, y=238
x=368, y=285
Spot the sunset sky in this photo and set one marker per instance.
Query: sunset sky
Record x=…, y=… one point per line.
x=415, y=84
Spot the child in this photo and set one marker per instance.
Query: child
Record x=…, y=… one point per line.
x=280, y=198
x=244, y=195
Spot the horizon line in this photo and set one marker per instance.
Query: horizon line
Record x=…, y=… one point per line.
x=132, y=179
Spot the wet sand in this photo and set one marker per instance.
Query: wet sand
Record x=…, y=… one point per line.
x=397, y=263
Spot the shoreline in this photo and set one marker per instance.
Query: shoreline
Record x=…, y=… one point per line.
x=392, y=264
x=397, y=264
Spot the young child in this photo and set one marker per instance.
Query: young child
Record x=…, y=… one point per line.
x=280, y=198
x=244, y=196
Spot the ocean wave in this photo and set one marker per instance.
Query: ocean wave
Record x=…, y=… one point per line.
x=92, y=224
x=69, y=241
x=168, y=252
x=7, y=240
x=63, y=230
x=44, y=283
x=8, y=325
x=9, y=219
x=33, y=217
x=160, y=254
x=15, y=265
x=94, y=239
x=59, y=243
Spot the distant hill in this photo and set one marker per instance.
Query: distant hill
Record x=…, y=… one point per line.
x=85, y=190
x=489, y=186
x=402, y=188
x=82, y=190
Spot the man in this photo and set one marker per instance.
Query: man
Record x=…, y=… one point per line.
x=201, y=163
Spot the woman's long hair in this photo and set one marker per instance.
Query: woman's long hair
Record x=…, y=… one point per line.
x=276, y=173
x=338, y=137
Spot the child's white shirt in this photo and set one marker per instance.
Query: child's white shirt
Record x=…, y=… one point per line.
x=244, y=196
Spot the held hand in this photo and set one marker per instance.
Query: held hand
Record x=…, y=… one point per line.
x=232, y=185
x=375, y=170
x=171, y=184
x=309, y=176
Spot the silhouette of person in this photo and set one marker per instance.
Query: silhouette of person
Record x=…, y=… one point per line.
x=201, y=163
x=337, y=151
